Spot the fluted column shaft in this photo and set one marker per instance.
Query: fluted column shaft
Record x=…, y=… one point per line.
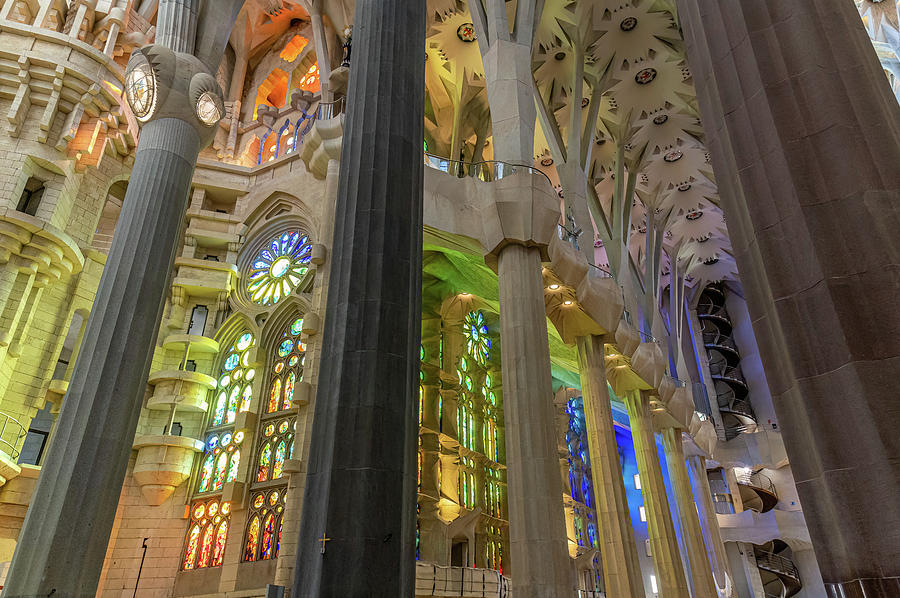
x=811, y=189
x=63, y=540
x=692, y=538
x=709, y=523
x=541, y=567
x=361, y=486
x=621, y=567
x=663, y=541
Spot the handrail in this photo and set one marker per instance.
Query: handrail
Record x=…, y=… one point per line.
x=12, y=435
x=777, y=564
x=328, y=110
x=487, y=171
x=757, y=480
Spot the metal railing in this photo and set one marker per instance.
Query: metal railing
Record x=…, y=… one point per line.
x=328, y=110
x=757, y=480
x=487, y=171
x=12, y=435
x=777, y=564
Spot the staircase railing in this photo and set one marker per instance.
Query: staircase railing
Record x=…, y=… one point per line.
x=328, y=110
x=777, y=564
x=757, y=480
x=12, y=435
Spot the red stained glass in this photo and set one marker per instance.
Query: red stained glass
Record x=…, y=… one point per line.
x=252, y=539
x=265, y=460
x=289, y=390
x=266, y=550
x=220, y=471
x=193, y=543
x=274, y=396
x=221, y=536
x=203, y=561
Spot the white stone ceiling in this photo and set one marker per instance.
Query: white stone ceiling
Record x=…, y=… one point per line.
x=634, y=56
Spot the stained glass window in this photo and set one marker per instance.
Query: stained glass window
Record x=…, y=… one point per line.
x=276, y=446
x=287, y=371
x=279, y=267
x=467, y=484
x=263, y=534
x=207, y=534
x=478, y=343
x=235, y=389
x=223, y=457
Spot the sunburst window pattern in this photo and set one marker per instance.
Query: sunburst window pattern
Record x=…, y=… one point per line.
x=478, y=343
x=279, y=267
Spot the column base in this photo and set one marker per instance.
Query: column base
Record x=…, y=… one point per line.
x=872, y=587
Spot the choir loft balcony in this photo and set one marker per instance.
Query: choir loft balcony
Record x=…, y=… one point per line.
x=779, y=574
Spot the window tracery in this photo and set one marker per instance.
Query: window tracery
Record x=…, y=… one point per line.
x=279, y=267
x=207, y=534
x=264, y=525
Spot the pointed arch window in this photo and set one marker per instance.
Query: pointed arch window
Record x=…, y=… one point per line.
x=262, y=539
x=207, y=535
x=276, y=447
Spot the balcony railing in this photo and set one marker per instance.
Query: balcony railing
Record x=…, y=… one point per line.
x=434, y=580
x=12, y=435
x=488, y=171
x=328, y=110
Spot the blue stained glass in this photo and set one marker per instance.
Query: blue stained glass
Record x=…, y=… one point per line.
x=231, y=362
x=285, y=349
x=212, y=442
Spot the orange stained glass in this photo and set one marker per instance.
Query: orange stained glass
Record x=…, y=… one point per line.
x=220, y=472
x=206, y=476
x=252, y=538
x=278, y=468
x=293, y=48
x=289, y=390
x=310, y=81
x=275, y=395
x=221, y=536
x=193, y=543
x=205, y=548
x=265, y=459
x=272, y=91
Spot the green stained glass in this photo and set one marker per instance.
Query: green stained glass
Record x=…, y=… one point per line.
x=278, y=467
x=219, y=414
x=233, y=466
x=285, y=349
x=245, y=398
x=293, y=361
x=478, y=343
x=279, y=267
x=297, y=326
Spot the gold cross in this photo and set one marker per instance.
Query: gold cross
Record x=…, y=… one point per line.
x=323, y=539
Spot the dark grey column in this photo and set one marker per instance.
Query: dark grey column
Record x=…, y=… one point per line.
x=361, y=477
x=805, y=139
x=63, y=540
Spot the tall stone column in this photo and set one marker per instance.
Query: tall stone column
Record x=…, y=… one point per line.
x=63, y=540
x=357, y=531
x=692, y=537
x=663, y=541
x=709, y=523
x=621, y=568
x=811, y=190
x=537, y=531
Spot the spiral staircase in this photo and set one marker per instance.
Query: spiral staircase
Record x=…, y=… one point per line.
x=725, y=363
x=779, y=574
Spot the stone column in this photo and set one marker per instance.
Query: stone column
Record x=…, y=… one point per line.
x=361, y=487
x=709, y=523
x=65, y=533
x=811, y=190
x=321, y=42
x=541, y=567
x=692, y=538
x=663, y=541
x=621, y=568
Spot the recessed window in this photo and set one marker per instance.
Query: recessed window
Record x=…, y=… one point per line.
x=31, y=197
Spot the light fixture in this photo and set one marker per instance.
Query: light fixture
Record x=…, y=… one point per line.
x=141, y=89
x=637, y=481
x=653, y=587
x=567, y=302
x=553, y=287
x=643, y=513
x=208, y=110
